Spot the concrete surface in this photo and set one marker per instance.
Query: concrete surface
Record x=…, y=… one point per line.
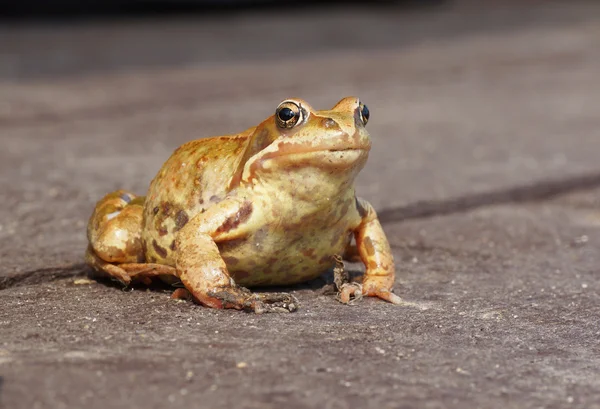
x=485, y=171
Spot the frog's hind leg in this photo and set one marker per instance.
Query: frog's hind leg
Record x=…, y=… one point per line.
x=105, y=269
x=127, y=272
x=114, y=234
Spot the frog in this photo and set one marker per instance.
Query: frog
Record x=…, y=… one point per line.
x=274, y=205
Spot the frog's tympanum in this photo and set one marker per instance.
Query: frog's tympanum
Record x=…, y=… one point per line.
x=273, y=205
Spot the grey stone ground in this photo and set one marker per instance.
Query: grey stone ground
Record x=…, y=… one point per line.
x=486, y=126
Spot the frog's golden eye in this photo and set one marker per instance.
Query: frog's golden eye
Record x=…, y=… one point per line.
x=288, y=114
x=364, y=113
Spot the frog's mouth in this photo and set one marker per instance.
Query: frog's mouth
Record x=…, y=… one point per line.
x=284, y=149
x=339, y=157
x=320, y=153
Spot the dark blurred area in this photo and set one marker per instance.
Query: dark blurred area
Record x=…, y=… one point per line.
x=64, y=37
x=94, y=8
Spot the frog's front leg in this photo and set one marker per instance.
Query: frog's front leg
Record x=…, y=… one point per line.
x=374, y=251
x=202, y=269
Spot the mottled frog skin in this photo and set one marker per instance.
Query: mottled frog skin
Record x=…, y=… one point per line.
x=272, y=205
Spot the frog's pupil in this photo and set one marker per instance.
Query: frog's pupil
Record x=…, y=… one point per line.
x=365, y=112
x=285, y=114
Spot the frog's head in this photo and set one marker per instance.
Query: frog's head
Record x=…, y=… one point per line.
x=300, y=138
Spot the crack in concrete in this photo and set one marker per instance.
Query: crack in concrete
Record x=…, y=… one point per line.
x=533, y=192
x=41, y=275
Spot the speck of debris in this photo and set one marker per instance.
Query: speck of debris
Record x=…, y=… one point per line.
x=83, y=281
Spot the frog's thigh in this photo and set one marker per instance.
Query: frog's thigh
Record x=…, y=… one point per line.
x=114, y=230
x=114, y=234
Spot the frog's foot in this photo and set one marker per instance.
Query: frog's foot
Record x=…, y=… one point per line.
x=350, y=292
x=145, y=272
x=125, y=273
x=181, y=294
x=241, y=298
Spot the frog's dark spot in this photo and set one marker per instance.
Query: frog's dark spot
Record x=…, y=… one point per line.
x=135, y=247
x=361, y=209
x=230, y=245
x=162, y=231
x=166, y=208
x=173, y=245
x=201, y=201
x=214, y=199
x=159, y=250
x=144, y=247
x=345, y=207
x=368, y=245
x=230, y=260
x=309, y=253
x=181, y=219
x=239, y=274
x=155, y=210
x=241, y=216
x=326, y=260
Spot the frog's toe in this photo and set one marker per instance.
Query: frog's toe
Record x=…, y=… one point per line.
x=387, y=295
x=373, y=287
x=274, y=302
x=350, y=292
x=181, y=294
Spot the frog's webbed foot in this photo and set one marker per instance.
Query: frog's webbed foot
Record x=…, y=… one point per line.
x=350, y=293
x=241, y=298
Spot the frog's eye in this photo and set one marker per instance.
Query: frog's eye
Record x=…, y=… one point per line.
x=288, y=114
x=364, y=113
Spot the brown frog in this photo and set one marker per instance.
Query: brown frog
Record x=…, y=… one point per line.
x=272, y=205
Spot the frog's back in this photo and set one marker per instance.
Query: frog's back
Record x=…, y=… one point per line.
x=196, y=176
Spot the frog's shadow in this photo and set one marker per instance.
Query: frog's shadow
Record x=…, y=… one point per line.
x=322, y=285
